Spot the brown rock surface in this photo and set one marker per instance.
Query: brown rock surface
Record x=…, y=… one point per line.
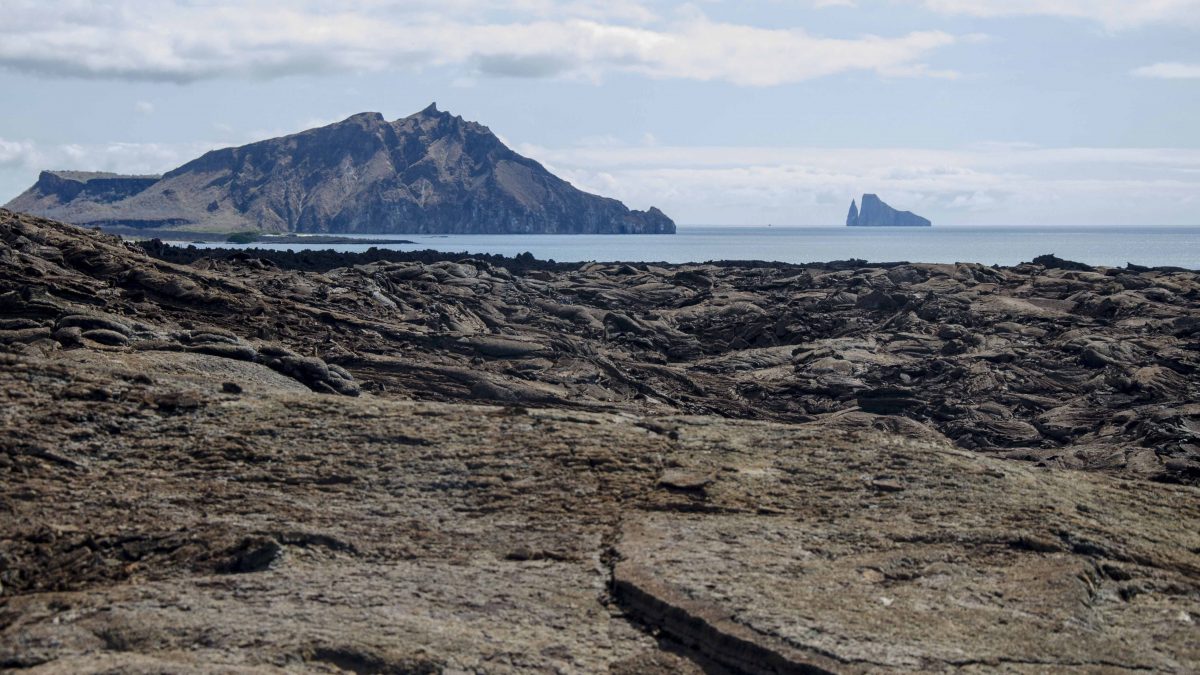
x=279, y=529
x=609, y=514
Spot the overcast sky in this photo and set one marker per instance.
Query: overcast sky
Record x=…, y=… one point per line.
x=971, y=112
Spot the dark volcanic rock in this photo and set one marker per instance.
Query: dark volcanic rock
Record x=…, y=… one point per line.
x=1051, y=261
x=181, y=498
x=90, y=186
x=431, y=172
x=96, y=199
x=877, y=214
x=1066, y=367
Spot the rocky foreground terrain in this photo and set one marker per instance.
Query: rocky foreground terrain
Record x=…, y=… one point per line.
x=474, y=466
x=1055, y=363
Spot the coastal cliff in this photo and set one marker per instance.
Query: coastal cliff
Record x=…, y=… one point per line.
x=431, y=172
x=875, y=213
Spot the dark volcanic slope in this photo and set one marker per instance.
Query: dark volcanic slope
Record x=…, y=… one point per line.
x=430, y=172
x=1068, y=367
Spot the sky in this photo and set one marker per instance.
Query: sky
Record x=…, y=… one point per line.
x=748, y=112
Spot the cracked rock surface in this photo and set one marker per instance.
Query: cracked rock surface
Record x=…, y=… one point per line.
x=216, y=468
x=287, y=530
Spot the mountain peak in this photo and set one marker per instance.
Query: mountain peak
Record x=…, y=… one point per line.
x=430, y=112
x=434, y=123
x=362, y=119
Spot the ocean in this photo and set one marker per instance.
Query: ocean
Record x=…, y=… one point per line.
x=1110, y=246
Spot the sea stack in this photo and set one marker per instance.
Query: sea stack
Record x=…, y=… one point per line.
x=875, y=213
x=430, y=172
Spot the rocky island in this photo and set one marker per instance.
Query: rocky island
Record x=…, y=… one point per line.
x=875, y=213
x=420, y=462
x=431, y=172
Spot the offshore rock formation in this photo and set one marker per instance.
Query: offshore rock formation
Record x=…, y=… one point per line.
x=431, y=172
x=877, y=214
x=218, y=467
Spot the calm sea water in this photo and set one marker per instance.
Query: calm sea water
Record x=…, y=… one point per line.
x=1174, y=246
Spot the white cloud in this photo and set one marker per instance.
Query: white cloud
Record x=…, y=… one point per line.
x=997, y=183
x=144, y=107
x=1170, y=71
x=1113, y=14
x=116, y=156
x=987, y=183
x=185, y=42
x=17, y=153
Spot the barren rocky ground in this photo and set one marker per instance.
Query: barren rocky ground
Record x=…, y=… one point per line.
x=232, y=466
x=1055, y=363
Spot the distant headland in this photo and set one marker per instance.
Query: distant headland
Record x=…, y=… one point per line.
x=428, y=173
x=875, y=213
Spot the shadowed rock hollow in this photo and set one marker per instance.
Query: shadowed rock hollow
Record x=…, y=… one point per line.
x=577, y=488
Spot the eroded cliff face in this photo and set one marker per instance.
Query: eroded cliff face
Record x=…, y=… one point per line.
x=218, y=467
x=431, y=172
x=99, y=187
x=83, y=196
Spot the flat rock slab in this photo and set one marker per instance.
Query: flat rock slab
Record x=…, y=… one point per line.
x=292, y=532
x=970, y=565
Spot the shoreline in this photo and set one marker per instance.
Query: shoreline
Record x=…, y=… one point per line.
x=1158, y=248
x=327, y=259
x=177, y=237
